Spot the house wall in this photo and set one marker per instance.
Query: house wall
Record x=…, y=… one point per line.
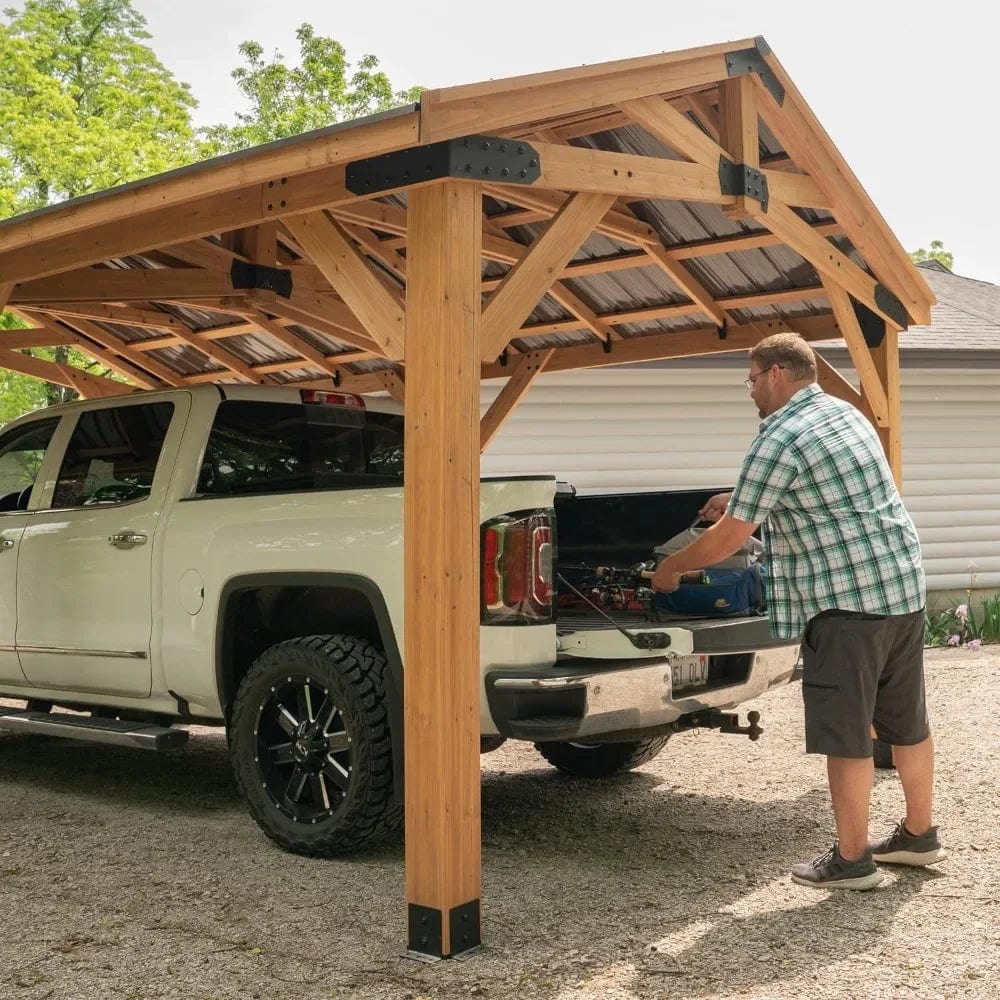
x=688, y=426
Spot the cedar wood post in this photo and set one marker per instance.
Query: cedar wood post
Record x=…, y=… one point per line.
x=441, y=568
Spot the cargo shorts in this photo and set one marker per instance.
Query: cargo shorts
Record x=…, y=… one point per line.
x=861, y=670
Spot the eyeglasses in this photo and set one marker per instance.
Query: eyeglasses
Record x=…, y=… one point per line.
x=749, y=382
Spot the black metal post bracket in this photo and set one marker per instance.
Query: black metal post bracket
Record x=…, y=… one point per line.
x=752, y=61
x=473, y=157
x=269, y=279
x=738, y=178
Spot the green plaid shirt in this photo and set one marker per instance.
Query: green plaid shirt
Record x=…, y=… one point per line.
x=836, y=533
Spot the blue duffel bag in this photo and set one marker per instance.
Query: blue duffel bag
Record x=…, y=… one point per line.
x=722, y=592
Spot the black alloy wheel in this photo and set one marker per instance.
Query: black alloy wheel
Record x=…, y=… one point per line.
x=303, y=749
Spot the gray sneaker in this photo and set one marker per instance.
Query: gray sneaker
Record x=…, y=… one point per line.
x=831, y=871
x=902, y=848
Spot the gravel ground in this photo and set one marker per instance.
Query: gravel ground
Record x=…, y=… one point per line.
x=128, y=875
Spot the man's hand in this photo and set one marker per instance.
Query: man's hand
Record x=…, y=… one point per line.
x=715, y=507
x=666, y=579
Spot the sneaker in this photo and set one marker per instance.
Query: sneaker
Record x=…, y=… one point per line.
x=831, y=871
x=902, y=848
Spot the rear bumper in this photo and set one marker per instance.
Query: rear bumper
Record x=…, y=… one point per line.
x=581, y=698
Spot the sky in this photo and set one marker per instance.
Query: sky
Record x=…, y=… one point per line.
x=907, y=90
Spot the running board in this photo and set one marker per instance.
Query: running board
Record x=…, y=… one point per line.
x=144, y=735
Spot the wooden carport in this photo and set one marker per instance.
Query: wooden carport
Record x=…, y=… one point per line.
x=669, y=206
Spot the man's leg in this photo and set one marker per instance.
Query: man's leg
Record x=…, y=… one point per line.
x=915, y=767
x=851, y=781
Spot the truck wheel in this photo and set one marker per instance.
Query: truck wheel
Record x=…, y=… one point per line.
x=601, y=760
x=309, y=742
x=882, y=752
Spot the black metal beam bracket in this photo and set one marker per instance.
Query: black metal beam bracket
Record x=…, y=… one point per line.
x=472, y=157
x=268, y=279
x=891, y=306
x=752, y=61
x=738, y=178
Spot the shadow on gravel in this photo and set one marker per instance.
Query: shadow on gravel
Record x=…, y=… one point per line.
x=192, y=780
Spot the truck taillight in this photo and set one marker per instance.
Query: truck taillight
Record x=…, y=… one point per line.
x=518, y=553
x=331, y=398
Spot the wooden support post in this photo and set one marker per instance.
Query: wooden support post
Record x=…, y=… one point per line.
x=886, y=358
x=441, y=568
x=738, y=134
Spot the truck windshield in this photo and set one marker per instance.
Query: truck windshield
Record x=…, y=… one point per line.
x=262, y=447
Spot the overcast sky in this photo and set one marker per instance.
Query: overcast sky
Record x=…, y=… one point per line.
x=907, y=90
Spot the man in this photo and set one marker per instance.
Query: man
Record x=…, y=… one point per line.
x=845, y=573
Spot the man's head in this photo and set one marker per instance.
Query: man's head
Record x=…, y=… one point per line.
x=779, y=367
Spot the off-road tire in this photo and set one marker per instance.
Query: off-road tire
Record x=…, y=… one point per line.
x=601, y=760
x=352, y=671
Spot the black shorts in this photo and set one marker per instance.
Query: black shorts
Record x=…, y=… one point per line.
x=859, y=671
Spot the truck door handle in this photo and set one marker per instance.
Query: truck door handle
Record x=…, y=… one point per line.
x=6, y=543
x=126, y=539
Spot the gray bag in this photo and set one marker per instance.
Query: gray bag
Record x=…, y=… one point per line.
x=752, y=550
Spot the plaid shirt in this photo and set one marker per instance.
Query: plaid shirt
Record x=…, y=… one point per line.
x=836, y=533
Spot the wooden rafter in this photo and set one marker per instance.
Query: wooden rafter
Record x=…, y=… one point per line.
x=290, y=340
x=379, y=308
x=41, y=336
x=88, y=386
x=529, y=367
x=531, y=277
x=122, y=285
x=125, y=315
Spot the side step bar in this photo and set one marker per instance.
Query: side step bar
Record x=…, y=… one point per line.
x=144, y=735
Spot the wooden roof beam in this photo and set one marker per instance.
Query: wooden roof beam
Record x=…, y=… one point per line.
x=795, y=126
x=674, y=129
x=529, y=279
x=86, y=385
x=290, y=340
x=102, y=284
x=39, y=336
x=831, y=381
x=123, y=315
x=529, y=367
x=380, y=309
x=864, y=364
x=831, y=264
x=499, y=104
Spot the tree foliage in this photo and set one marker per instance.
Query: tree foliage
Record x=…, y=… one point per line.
x=937, y=252
x=84, y=102
x=286, y=100
x=84, y=105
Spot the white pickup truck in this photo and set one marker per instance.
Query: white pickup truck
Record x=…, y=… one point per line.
x=232, y=556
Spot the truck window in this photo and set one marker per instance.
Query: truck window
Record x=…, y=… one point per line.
x=21, y=454
x=278, y=447
x=112, y=455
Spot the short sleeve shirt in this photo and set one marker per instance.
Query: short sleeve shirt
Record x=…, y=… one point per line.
x=836, y=533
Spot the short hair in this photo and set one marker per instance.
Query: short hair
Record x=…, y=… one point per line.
x=789, y=351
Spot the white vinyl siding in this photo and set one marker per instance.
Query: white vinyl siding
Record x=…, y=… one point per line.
x=633, y=430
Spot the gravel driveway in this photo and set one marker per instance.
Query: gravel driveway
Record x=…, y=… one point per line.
x=129, y=875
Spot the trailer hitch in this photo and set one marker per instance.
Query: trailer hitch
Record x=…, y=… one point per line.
x=725, y=722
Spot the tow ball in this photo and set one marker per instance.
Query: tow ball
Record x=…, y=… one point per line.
x=725, y=722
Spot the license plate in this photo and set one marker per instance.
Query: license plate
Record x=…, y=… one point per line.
x=688, y=672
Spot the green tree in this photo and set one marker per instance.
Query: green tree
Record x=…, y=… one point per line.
x=84, y=102
x=84, y=105
x=937, y=252
x=287, y=100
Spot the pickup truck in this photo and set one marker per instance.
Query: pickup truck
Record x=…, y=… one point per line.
x=232, y=556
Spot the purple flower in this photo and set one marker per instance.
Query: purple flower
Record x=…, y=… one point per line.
x=954, y=640
x=962, y=611
x=975, y=644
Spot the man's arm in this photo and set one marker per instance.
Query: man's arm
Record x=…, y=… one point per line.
x=714, y=545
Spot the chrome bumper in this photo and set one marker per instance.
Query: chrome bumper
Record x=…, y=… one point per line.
x=588, y=698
